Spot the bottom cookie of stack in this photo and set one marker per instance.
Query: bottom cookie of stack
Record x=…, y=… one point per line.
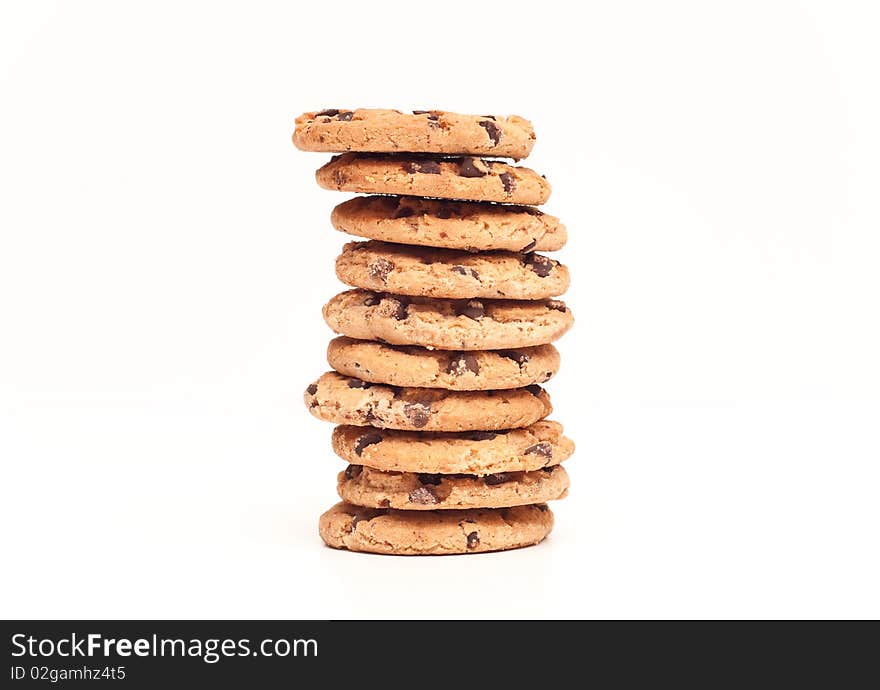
x=435, y=532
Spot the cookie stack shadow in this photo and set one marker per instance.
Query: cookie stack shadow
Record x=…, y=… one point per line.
x=445, y=337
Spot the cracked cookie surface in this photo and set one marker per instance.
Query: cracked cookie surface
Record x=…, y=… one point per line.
x=447, y=273
x=466, y=178
x=337, y=130
x=447, y=324
x=466, y=225
x=539, y=445
x=438, y=532
x=417, y=367
x=344, y=400
x=371, y=488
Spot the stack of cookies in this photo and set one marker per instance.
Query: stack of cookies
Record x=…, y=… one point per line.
x=445, y=337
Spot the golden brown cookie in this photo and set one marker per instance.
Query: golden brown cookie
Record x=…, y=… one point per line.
x=480, y=453
x=371, y=488
x=430, y=272
x=422, y=131
x=474, y=179
x=464, y=225
x=447, y=324
x=438, y=532
x=344, y=400
x=418, y=367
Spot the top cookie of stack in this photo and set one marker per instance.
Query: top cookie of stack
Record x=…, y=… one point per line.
x=424, y=131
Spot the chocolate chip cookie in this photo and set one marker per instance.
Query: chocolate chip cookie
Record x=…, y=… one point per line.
x=431, y=272
x=365, y=486
x=437, y=532
x=467, y=225
x=479, y=453
x=417, y=367
x=447, y=324
x=344, y=400
x=468, y=178
x=422, y=131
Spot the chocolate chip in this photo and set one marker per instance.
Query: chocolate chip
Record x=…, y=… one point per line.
x=493, y=130
x=311, y=390
x=539, y=264
x=529, y=247
x=369, y=417
x=543, y=449
x=549, y=470
x=423, y=496
x=367, y=439
x=556, y=305
x=401, y=311
x=473, y=540
x=372, y=300
x=467, y=167
x=463, y=270
x=357, y=383
x=433, y=116
x=329, y=113
x=480, y=435
x=535, y=390
x=509, y=182
x=473, y=310
x=543, y=508
x=418, y=413
x=497, y=478
x=444, y=212
x=463, y=362
x=353, y=471
x=380, y=269
x=404, y=212
x=433, y=479
x=518, y=357
x=428, y=167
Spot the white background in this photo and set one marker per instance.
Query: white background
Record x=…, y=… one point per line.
x=165, y=251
